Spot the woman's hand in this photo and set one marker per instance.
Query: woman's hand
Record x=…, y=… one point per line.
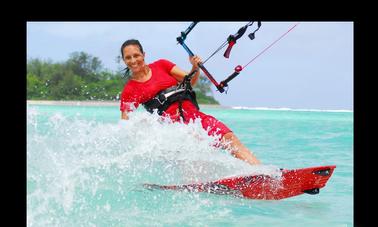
x=195, y=60
x=179, y=74
x=124, y=116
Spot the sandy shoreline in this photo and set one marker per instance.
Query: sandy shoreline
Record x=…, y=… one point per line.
x=93, y=103
x=73, y=103
x=116, y=104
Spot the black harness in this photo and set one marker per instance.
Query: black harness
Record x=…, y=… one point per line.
x=165, y=98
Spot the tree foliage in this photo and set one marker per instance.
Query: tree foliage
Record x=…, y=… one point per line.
x=82, y=77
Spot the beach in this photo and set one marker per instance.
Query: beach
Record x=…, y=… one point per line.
x=98, y=103
x=211, y=106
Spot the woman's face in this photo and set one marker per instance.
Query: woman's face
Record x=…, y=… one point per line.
x=133, y=58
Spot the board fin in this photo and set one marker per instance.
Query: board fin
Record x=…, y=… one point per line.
x=313, y=191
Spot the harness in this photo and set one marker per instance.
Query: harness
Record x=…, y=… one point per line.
x=167, y=97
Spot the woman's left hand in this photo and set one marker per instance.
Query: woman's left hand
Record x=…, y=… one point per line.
x=195, y=60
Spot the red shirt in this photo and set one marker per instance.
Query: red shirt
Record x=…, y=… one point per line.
x=135, y=93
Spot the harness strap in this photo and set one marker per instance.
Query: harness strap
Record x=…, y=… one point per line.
x=180, y=110
x=167, y=97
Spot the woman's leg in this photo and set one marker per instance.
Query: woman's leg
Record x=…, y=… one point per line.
x=230, y=141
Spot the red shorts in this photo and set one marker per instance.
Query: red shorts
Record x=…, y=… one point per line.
x=212, y=125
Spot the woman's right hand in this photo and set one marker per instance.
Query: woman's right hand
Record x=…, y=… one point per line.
x=124, y=116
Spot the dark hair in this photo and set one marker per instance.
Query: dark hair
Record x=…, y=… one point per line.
x=131, y=42
x=127, y=43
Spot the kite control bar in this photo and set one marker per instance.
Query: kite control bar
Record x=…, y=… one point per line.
x=181, y=40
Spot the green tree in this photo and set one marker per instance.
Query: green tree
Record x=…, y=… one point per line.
x=82, y=77
x=85, y=66
x=34, y=86
x=203, y=85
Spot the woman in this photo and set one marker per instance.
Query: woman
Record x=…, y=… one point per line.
x=150, y=81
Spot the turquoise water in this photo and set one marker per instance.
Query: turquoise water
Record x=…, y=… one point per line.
x=85, y=167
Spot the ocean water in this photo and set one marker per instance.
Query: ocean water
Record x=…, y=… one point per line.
x=86, y=167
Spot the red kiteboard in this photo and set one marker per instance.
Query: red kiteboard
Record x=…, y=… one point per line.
x=291, y=183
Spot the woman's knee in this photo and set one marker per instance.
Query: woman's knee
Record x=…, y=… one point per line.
x=230, y=140
x=229, y=136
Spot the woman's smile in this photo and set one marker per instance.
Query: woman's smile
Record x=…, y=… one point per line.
x=133, y=58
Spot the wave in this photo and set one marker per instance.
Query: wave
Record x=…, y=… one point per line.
x=288, y=109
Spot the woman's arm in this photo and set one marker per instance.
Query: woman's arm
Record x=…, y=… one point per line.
x=124, y=115
x=179, y=74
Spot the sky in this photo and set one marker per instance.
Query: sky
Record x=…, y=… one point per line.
x=311, y=67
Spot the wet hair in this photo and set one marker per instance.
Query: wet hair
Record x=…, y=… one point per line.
x=131, y=42
x=127, y=43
